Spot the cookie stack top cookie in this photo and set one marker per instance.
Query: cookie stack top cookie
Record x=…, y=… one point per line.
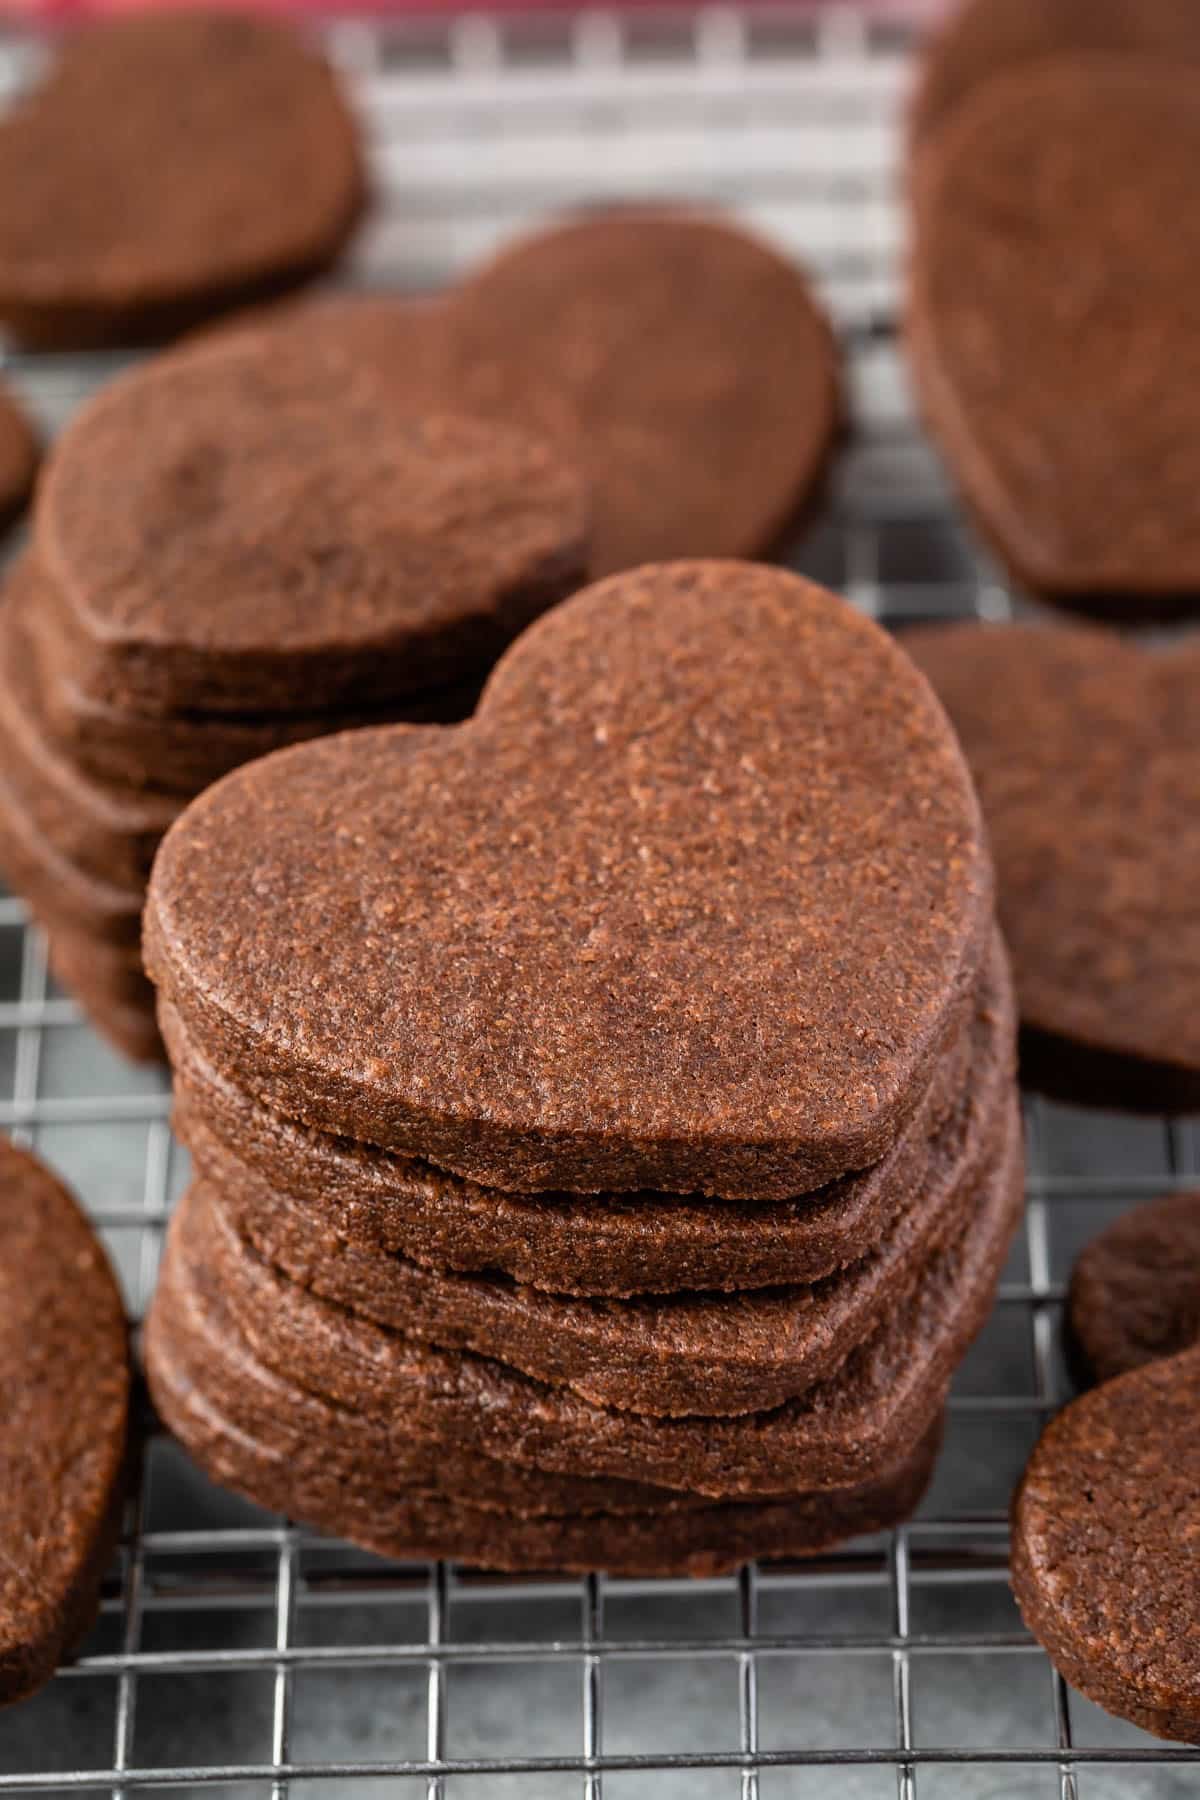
x=235, y=547
x=660, y=915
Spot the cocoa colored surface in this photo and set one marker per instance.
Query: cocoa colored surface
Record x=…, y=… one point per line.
x=1135, y=1290
x=608, y=1244
x=62, y=1437
x=216, y=545
x=842, y=1432
x=693, y=903
x=168, y=167
x=1086, y=755
x=200, y=1367
x=61, y=896
x=180, y=753
x=108, y=833
x=18, y=457
x=1105, y=1527
x=688, y=1353
x=1052, y=326
x=987, y=38
x=682, y=364
x=107, y=982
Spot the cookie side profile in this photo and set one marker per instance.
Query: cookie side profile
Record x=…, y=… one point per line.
x=681, y=363
x=127, y=215
x=1085, y=752
x=842, y=1432
x=1105, y=1523
x=63, y=1431
x=1059, y=196
x=18, y=457
x=1135, y=1289
x=652, y=873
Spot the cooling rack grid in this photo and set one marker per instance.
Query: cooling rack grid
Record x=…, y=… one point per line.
x=238, y=1654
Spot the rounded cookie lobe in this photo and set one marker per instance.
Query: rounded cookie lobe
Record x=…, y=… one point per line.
x=692, y=903
x=987, y=38
x=167, y=167
x=1086, y=752
x=1061, y=196
x=1135, y=1289
x=684, y=365
x=1106, y=1527
x=214, y=544
x=62, y=1435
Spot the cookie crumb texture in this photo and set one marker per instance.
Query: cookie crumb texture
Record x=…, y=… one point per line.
x=662, y=915
x=1086, y=754
x=1106, y=1546
x=1052, y=326
x=1135, y=1289
x=168, y=167
x=63, y=1422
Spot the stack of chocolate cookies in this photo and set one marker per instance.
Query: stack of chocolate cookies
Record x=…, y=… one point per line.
x=603, y=1119
x=234, y=548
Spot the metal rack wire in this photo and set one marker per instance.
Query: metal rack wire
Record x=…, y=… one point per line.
x=236, y=1652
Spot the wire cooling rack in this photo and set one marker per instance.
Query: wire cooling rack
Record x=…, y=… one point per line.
x=237, y=1653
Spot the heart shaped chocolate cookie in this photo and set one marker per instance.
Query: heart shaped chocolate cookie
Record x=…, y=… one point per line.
x=1086, y=752
x=1054, y=326
x=662, y=915
x=169, y=166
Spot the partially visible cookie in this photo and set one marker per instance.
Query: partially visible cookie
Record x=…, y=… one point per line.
x=170, y=166
x=1052, y=326
x=1135, y=1289
x=1086, y=755
x=63, y=1422
x=1106, y=1532
x=986, y=38
x=18, y=457
x=685, y=366
x=215, y=545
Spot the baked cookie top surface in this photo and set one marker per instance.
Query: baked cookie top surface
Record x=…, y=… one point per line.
x=685, y=366
x=693, y=902
x=170, y=153
x=1053, y=323
x=248, y=524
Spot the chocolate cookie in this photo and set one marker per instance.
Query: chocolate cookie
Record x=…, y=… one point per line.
x=842, y=1432
x=201, y=1369
x=687, y=934
x=62, y=1439
x=1051, y=318
x=1086, y=753
x=683, y=365
x=107, y=833
x=1105, y=1524
x=216, y=546
x=18, y=457
x=60, y=895
x=987, y=38
x=1135, y=1290
x=168, y=167
x=663, y=1355
x=108, y=982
